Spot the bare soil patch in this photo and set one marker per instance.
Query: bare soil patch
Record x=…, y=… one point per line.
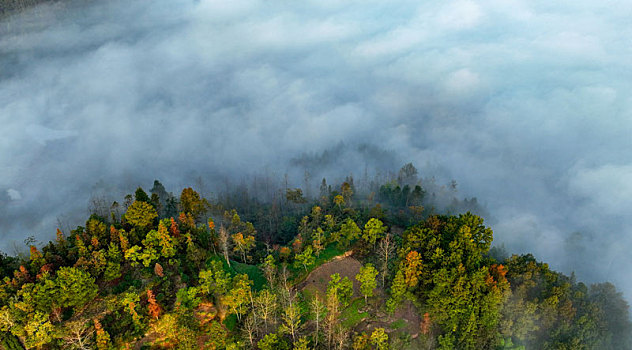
x=317, y=280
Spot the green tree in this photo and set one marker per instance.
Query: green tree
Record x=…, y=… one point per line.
x=295, y=196
x=239, y=296
x=141, y=196
x=272, y=342
x=130, y=300
x=301, y=344
x=291, y=320
x=398, y=290
x=373, y=230
x=269, y=270
x=192, y=203
x=306, y=258
x=342, y=287
x=464, y=293
x=217, y=336
x=214, y=281
x=614, y=316
x=187, y=300
x=367, y=278
x=407, y=175
x=146, y=255
x=348, y=232
x=140, y=214
x=113, y=267
x=75, y=287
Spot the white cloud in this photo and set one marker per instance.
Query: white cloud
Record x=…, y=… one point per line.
x=607, y=187
x=14, y=194
x=462, y=82
x=459, y=14
x=525, y=103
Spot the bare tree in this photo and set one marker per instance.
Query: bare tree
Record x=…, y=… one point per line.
x=78, y=335
x=333, y=316
x=224, y=242
x=266, y=306
x=317, y=307
x=386, y=251
x=250, y=328
x=287, y=294
x=98, y=205
x=340, y=337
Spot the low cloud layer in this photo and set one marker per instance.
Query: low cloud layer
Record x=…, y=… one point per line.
x=526, y=104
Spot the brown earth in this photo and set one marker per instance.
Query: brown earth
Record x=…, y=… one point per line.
x=317, y=280
x=406, y=312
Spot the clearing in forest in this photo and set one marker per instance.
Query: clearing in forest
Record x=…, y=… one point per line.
x=318, y=279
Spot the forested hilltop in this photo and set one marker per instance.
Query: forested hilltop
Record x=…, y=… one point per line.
x=375, y=268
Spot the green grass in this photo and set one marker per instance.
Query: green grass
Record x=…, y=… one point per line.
x=351, y=316
x=328, y=253
x=398, y=324
x=254, y=273
x=231, y=322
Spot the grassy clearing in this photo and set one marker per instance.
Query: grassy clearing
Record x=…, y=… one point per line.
x=231, y=322
x=351, y=316
x=398, y=324
x=254, y=273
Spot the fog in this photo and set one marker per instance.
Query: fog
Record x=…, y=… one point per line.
x=526, y=104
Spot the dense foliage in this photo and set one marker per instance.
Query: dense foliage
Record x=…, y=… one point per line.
x=162, y=271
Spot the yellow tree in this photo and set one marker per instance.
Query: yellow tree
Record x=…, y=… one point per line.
x=239, y=296
x=412, y=269
x=167, y=243
x=140, y=214
x=243, y=244
x=379, y=338
x=266, y=305
x=317, y=240
x=291, y=320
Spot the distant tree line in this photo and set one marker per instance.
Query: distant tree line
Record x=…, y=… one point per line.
x=10, y=6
